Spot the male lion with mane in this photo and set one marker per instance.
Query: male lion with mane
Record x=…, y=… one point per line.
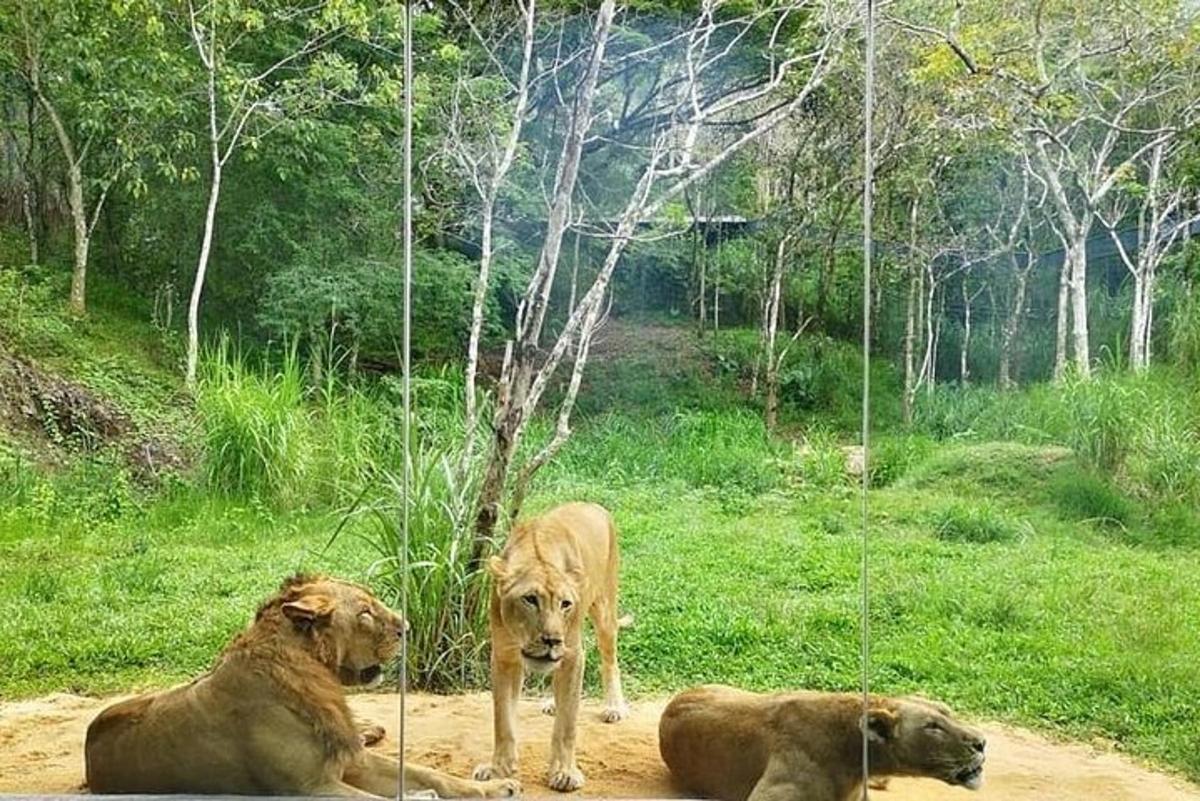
x=740, y=746
x=554, y=570
x=271, y=716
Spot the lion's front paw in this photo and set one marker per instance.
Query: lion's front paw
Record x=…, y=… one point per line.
x=494, y=771
x=501, y=788
x=371, y=734
x=565, y=780
x=420, y=794
x=548, y=707
x=614, y=712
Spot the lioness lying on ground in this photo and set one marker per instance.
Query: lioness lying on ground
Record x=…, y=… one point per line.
x=735, y=745
x=271, y=717
x=554, y=570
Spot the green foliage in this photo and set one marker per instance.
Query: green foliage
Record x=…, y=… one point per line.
x=358, y=304
x=446, y=598
x=894, y=455
x=822, y=462
x=1185, y=330
x=256, y=425
x=1086, y=496
x=1099, y=415
x=974, y=523
x=727, y=451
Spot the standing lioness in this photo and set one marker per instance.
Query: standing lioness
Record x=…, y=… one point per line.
x=735, y=745
x=271, y=717
x=554, y=570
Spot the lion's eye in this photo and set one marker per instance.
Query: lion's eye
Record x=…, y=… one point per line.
x=366, y=618
x=532, y=600
x=933, y=726
x=566, y=604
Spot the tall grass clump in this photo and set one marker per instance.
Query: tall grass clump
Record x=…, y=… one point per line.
x=255, y=424
x=446, y=598
x=1102, y=413
x=974, y=523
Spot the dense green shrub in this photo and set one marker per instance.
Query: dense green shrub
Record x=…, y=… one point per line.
x=358, y=304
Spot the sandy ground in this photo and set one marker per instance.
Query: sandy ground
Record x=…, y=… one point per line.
x=41, y=752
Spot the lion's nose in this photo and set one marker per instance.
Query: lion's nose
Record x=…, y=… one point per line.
x=551, y=642
x=401, y=628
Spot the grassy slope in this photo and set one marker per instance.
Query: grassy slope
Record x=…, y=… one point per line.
x=737, y=566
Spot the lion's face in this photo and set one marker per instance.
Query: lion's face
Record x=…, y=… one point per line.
x=924, y=739
x=345, y=626
x=537, y=606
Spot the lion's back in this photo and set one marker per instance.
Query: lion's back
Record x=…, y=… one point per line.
x=711, y=738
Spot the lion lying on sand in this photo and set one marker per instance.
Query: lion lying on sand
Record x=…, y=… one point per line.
x=555, y=570
x=737, y=746
x=271, y=717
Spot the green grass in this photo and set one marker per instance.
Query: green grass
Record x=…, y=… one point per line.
x=147, y=597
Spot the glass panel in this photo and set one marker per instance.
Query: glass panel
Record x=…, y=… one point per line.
x=1030, y=547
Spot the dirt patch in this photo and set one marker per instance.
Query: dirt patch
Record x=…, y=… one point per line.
x=64, y=415
x=41, y=751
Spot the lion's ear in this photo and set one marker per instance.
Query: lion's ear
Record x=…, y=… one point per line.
x=497, y=567
x=310, y=609
x=880, y=724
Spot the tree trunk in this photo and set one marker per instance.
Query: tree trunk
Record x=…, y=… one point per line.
x=935, y=334
x=520, y=355
x=79, y=226
x=1079, y=311
x=1148, y=317
x=574, y=277
x=910, y=319
x=75, y=199
x=488, y=197
x=1012, y=326
x=774, y=299
x=1060, y=326
x=717, y=286
x=29, y=192
x=193, y=343
x=964, y=375
x=1137, y=323
x=476, y=334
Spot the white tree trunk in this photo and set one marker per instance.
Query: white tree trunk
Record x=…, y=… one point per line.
x=210, y=220
x=1012, y=326
x=910, y=330
x=79, y=226
x=1079, y=311
x=489, y=187
x=1062, y=319
x=770, y=332
x=963, y=368
x=210, y=217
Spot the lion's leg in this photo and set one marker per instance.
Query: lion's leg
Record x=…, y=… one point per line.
x=507, y=677
x=380, y=774
x=370, y=733
x=604, y=619
x=345, y=790
x=785, y=781
x=564, y=774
